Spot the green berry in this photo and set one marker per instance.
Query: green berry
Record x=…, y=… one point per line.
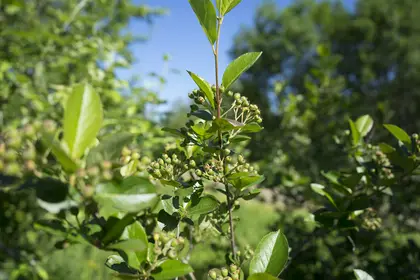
x=74, y=211
x=10, y=155
x=157, y=250
x=237, y=96
x=174, y=243
x=156, y=236
x=126, y=151
x=135, y=155
x=172, y=254
x=213, y=274
x=225, y=272
x=29, y=154
x=198, y=172
x=181, y=240
x=93, y=171
x=12, y=169
x=107, y=175
x=226, y=152
x=192, y=163
x=241, y=159
x=106, y=164
x=233, y=268
x=230, y=93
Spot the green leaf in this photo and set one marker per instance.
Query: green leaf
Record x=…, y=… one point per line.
x=132, y=195
x=362, y=275
x=205, y=205
x=364, y=125
x=118, y=264
x=252, y=127
x=271, y=255
x=60, y=154
x=82, y=119
x=261, y=276
x=55, y=227
x=173, y=131
x=319, y=189
x=130, y=245
x=240, y=138
x=170, y=221
x=171, y=269
x=355, y=134
x=48, y=189
x=109, y=148
x=204, y=87
x=385, y=148
x=399, y=134
x=246, y=181
x=225, y=6
x=359, y=203
x=136, y=231
x=238, y=66
x=225, y=125
x=114, y=227
x=206, y=14
x=129, y=169
x=203, y=114
x=252, y=194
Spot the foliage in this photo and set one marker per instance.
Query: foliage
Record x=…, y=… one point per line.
x=84, y=173
x=47, y=48
x=322, y=64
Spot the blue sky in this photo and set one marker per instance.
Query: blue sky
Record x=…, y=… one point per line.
x=179, y=35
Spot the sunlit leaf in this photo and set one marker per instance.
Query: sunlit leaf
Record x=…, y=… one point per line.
x=82, y=119
x=271, y=255
x=239, y=66
x=206, y=14
x=204, y=87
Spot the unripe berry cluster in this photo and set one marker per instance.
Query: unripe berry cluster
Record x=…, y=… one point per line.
x=382, y=161
x=132, y=162
x=167, y=245
x=18, y=154
x=92, y=175
x=198, y=97
x=244, y=110
x=231, y=273
x=170, y=167
x=370, y=220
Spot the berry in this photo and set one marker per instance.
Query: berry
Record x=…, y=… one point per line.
x=10, y=155
x=225, y=272
x=237, y=96
x=12, y=169
x=172, y=254
x=213, y=274
x=156, y=236
x=106, y=164
x=192, y=163
x=29, y=154
x=125, y=151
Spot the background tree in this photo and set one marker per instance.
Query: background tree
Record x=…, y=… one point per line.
x=46, y=47
x=322, y=63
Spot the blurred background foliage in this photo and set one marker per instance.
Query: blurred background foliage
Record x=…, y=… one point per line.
x=322, y=64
